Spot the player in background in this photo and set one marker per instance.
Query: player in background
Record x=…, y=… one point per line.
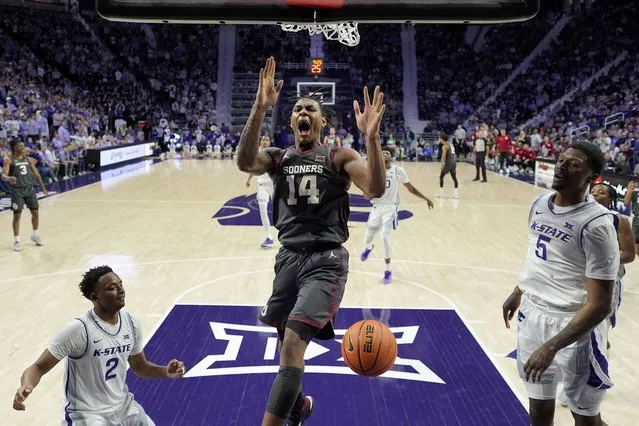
x=98, y=346
x=385, y=209
x=310, y=211
x=606, y=195
x=264, y=194
x=632, y=200
x=332, y=139
x=209, y=149
x=20, y=172
x=448, y=165
x=568, y=282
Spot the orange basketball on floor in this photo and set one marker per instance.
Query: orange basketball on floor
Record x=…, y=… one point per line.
x=369, y=348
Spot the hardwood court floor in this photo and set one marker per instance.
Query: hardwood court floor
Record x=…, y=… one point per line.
x=155, y=227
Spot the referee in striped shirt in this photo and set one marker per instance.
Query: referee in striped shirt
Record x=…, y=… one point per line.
x=480, y=155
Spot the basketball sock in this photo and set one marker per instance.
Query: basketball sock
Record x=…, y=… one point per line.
x=35, y=232
x=386, y=241
x=388, y=266
x=17, y=238
x=285, y=391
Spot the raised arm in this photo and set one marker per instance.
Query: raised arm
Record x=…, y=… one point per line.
x=249, y=157
x=369, y=176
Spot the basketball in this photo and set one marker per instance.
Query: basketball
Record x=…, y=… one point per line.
x=369, y=348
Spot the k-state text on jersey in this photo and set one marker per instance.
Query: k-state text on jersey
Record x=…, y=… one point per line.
x=112, y=351
x=550, y=231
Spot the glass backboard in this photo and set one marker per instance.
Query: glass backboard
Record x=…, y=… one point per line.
x=318, y=11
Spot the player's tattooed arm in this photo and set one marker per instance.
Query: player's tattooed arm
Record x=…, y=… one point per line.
x=249, y=157
x=369, y=176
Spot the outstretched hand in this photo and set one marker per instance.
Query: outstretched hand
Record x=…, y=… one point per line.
x=368, y=121
x=21, y=395
x=267, y=91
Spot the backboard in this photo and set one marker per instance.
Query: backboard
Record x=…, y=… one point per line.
x=318, y=11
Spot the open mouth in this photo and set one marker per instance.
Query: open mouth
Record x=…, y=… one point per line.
x=304, y=126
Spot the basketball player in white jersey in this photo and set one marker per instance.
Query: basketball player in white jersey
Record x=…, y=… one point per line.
x=209, y=149
x=264, y=194
x=98, y=346
x=385, y=209
x=606, y=195
x=568, y=283
x=332, y=139
x=217, y=150
x=194, y=149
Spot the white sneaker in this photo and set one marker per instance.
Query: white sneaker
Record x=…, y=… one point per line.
x=17, y=246
x=36, y=239
x=440, y=194
x=456, y=195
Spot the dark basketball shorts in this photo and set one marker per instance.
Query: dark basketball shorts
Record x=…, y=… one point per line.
x=635, y=228
x=307, y=291
x=23, y=196
x=449, y=167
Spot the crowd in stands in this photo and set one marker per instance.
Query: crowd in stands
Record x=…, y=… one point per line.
x=72, y=81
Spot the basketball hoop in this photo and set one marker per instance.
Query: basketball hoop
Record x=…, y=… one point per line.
x=345, y=32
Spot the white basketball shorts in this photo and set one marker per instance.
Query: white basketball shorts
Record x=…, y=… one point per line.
x=582, y=366
x=264, y=192
x=383, y=216
x=131, y=414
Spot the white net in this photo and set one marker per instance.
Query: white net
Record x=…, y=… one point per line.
x=345, y=32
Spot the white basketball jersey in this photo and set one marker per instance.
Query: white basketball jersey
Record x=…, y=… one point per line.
x=186, y=148
x=96, y=381
x=217, y=149
x=193, y=149
x=209, y=148
x=394, y=176
x=330, y=140
x=555, y=267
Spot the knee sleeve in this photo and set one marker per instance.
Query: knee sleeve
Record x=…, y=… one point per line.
x=284, y=391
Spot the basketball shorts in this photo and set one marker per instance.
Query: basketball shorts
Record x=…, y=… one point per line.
x=307, y=289
x=23, y=196
x=635, y=228
x=449, y=167
x=264, y=192
x=582, y=366
x=383, y=216
x=131, y=414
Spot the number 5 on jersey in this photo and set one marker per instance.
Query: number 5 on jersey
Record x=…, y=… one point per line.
x=542, y=247
x=306, y=188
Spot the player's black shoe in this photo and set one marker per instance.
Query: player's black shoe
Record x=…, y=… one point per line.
x=302, y=410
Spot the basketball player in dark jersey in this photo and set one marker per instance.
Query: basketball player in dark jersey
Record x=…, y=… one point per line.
x=20, y=172
x=448, y=165
x=310, y=211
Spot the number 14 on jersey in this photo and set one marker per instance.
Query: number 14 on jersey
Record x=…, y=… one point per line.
x=306, y=188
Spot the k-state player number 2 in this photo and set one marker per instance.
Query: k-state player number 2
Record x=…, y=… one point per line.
x=307, y=188
x=112, y=363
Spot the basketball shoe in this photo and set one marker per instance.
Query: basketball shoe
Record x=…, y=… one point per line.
x=366, y=253
x=302, y=410
x=267, y=243
x=388, y=277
